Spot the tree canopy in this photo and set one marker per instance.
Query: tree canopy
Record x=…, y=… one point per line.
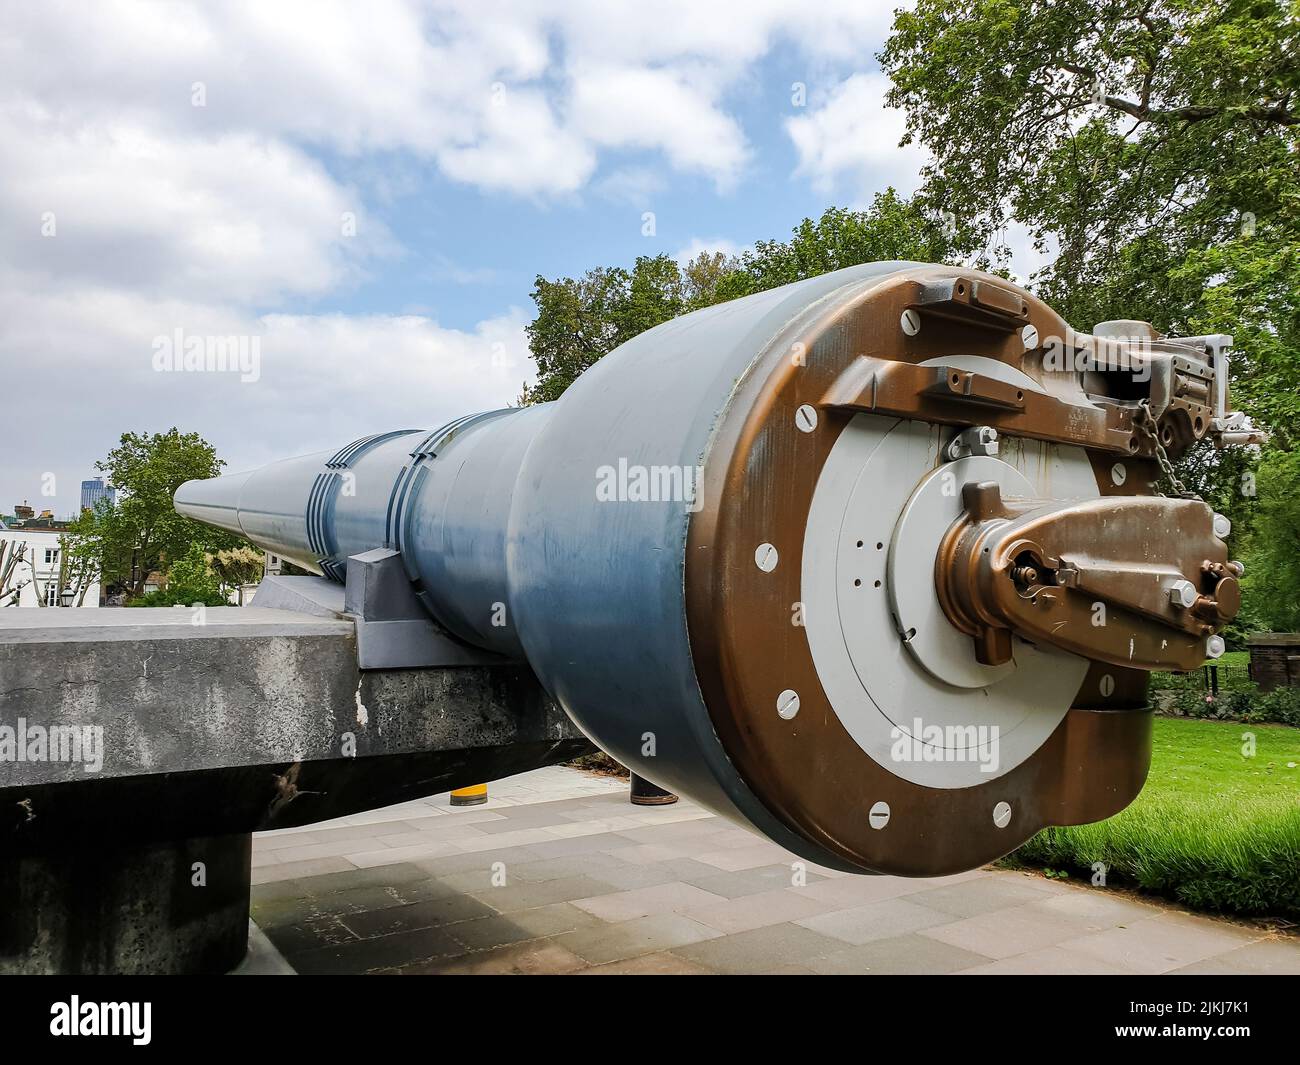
x=142, y=533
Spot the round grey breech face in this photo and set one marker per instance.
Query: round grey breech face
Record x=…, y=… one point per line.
x=899, y=675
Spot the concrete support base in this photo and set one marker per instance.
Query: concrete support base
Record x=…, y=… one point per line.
x=179, y=907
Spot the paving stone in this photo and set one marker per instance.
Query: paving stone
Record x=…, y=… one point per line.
x=1097, y=906
x=662, y=964
x=1006, y=932
x=373, y=897
x=751, y=952
x=756, y=911
x=567, y=838
x=440, y=827
x=885, y=919
x=750, y=881
x=432, y=913
x=485, y=933
x=849, y=891
x=299, y=870
x=1050, y=961
x=676, y=835
x=901, y=955
x=276, y=890
x=523, y=819
x=380, y=952
x=972, y=898
x=295, y=938
x=752, y=856
x=628, y=939
x=1266, y=956
x=351, y=879
x=522, y=895
x=650, y=853
x=341, y=848
x=595, y=864
x=557, y=848
x=534, y=958
x=297, y=837
x=517, y=838
x=629, y=877
x=464, y=862
x=672, y=897
x=1162, y=943
x=432, y=848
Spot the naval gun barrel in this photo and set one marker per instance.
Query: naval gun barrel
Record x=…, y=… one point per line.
x=826, y=559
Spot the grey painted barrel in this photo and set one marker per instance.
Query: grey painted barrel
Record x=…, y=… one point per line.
x=505, y=533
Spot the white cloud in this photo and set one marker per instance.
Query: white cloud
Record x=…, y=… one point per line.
x=173, y=215
x=631, y=107
x=80, y=370
x=851, y=140
x=232, y=217
x=710, y=245
x=520, y=149
x=419, y=76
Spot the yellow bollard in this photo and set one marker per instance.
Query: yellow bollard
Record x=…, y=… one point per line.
x=471, y=796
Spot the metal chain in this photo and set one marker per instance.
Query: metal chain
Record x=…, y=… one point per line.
x=1147, y=425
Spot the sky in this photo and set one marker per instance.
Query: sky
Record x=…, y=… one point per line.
x=365, y=193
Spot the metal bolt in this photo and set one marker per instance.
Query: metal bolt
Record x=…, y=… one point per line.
x=1182, y=594
x=805, y=418
x=1119, y=473
x=1106, y=686
x=765, y=558
x=1030, y=336
x=1002, y=814
x=878, y=815
x=1214, y=647
x=787, y=704
x=1222, y=526
x=911, y=322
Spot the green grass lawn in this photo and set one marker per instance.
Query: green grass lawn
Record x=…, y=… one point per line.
x=1212, y=828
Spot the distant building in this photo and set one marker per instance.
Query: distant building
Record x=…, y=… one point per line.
x=25, y=517
x=35, y=542
x=94, y=490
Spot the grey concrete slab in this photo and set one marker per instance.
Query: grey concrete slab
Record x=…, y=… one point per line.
x=760, y=949
x=609, y=904
x=905, y=955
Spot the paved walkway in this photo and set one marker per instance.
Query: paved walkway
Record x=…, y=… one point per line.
x=558, y=873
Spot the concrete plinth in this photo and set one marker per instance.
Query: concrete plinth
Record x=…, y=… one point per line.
x=203, y=728
x=90, y=909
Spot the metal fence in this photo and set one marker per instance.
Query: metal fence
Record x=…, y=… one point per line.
x=1214, y=678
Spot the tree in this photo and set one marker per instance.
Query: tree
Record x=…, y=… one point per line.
x=1154, y=145
x=15, y=571
x=237, y=567
x=891, y=228
x=191, y=581
x=143, y=532
x=1273, y=571
x=1141, y=129
x=581, y=320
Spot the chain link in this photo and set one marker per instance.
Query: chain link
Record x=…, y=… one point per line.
x=1147, y=426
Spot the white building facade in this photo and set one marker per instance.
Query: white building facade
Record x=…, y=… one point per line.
x=36, y=575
